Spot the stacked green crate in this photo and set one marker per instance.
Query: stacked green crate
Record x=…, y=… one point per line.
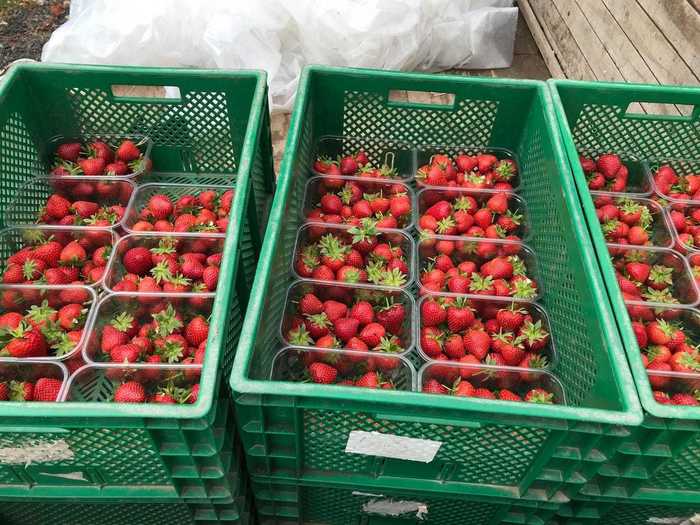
x=209, y=128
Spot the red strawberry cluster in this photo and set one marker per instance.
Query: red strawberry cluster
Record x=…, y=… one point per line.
x=359, y=254
x=169, y=265
x=680, y=187
x=98, y=158
x=39, y=324
x=339, y=318
x=340, y=200
x=494, y=215
x=685, y=220
x=607, y=173
x=200, y=212
x=473, y=332
x=44, y=389
x=485, y=382
x=357, y=165
x=345, y=368
x=162, y=334
x=86, y=203
x=625, y=220
x=476, y=172
x=668, y=342
x=475, y=267
x=59, y=257
x=650, y=276
x=155, y=386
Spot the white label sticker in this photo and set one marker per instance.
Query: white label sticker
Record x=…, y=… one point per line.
x=36, y=452
x=391, y=446
x=675, y=520
x=390, y=507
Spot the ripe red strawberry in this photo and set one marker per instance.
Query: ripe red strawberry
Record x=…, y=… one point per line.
x=10, y=320
x=70, y=316
x=125, y=353
x=334, y=309
x=498, y=203
x=433, y=386
x=498, y=268
x=459, y=315
x=138, y=260
x=463, y=389
x=454, y=346
x=322, y=373
x=21, y=391
x=13, y=274
x=130, y=392
x=4, y=392
x=309, y=304
x=368, y=380
x=477, y=343
x=392, y=317
x=346, y=328
x=57, y=206
x=160, y=206
x=483, y=393
x=511, y=318
x=26, y=342
x=440, y=210
x=609, y=164
x=69, y=151
x=432, y=313
x=372, y=334
x=92, y=166
x=684, y=399
x=685, y=361
x=363, y=312
x=46, y=389
x=431, y=340
x=508, y=395
x=127, y=151
x=73, y=254
x=661, y=397
x=659, y=332
x=197, y=330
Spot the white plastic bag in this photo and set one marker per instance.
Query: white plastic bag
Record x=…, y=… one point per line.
x=281, y=37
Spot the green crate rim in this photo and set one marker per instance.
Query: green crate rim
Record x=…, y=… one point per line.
x=634, y=93
x=206, y=402
x=241, y=384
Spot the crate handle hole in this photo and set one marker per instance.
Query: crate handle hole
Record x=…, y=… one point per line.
x=641, y=109
x=133, y=91
x=408, y=98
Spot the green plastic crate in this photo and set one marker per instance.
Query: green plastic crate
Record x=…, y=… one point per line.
x=318, y=501
x=293, y=430
x=662, y=453
x=627, y=512
x=220, y=125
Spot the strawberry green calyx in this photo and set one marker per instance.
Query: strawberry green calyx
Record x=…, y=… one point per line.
x=180, y=280
x=475, y=179
x=610, y=226
x=332, y=247
x=375, y=271
x=388, y=172
x=533, y=332
x=166, y=246
x=35, y=237
x=161, y=272
x=204, y=228
x=500, y=231
x=41, y=313
x=539, y=395
x=389, y=345
x=515, y=217
x=504, y=170
x=369, y=197
x=346, y=194
x=300, y=336
x=659, y=296
x=518, y=264
x=393, y=277
x=122, y=322
x=17, y=391
x=62, y=345
x=166, y=321
x=310, y=256
x=524, y=289
x=479, y=283
x=28, y=269
x=460, y=302
x=462, y=203
x=321, y=320
x=443, y=225
x=171, y=352
x=660, y=274
x=365, y=231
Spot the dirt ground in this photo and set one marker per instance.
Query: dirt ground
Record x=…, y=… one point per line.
x=26, y=25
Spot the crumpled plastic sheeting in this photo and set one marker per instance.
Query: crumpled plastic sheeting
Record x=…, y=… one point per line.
x=281, y=37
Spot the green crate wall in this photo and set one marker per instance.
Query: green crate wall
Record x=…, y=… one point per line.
x=626, y=512
x=661, y=454
x=323, y=502
x=292, y=431
x=217, y=132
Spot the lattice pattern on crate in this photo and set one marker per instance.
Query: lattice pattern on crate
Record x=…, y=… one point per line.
x=21, y=513
x=493, y=454
x=619, y=513
x=199, y=126
x=558, y=263
x=368, y=115
x=682, y=470
x=120, y=456
x=604, y=127
x=18, y=156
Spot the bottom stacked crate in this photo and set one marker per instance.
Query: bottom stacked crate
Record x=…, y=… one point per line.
x=618, y=511
x=320, y=501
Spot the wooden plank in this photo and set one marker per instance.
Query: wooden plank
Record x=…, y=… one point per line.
x=570, y=56
x=680, y=24
x=594, y=52
x=621, y=50
x=659, y=55
x=545, y=48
